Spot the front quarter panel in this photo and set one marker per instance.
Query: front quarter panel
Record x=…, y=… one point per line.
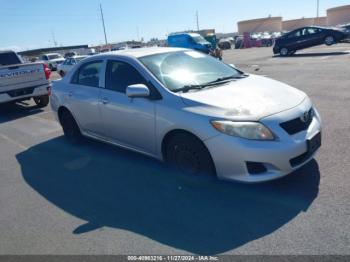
x=173, y=114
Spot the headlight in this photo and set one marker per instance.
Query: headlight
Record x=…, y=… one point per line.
x=247, y=130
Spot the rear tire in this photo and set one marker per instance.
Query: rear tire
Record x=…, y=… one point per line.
x=329, y=40
x=42, y=101
x=188, y=154
x=70, y=128
x=284, y=51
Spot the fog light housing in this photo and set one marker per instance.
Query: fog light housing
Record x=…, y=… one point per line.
x=255, y=168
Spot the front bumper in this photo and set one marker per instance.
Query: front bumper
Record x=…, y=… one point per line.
x=231, y=154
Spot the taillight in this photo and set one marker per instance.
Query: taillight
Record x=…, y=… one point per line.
x=47, y=71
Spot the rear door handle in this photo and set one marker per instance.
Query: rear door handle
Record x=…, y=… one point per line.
x=104, y=101
x=70, y=94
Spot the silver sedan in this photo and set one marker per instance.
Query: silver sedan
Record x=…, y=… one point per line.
x=191, y=110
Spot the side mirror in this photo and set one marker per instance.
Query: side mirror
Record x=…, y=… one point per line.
x=138, y=90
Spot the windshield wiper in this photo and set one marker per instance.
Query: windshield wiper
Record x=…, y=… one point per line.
x=221, y=80
x=187, y=88
x=225, y=79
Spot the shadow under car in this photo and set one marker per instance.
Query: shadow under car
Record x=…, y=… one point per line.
x=111, y=187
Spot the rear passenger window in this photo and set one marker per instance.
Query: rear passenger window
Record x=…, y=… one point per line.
x=88, y=74
x=295, y=34
x=120, y=75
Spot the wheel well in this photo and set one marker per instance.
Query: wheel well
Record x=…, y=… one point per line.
x=175, y=132
x=60, y=112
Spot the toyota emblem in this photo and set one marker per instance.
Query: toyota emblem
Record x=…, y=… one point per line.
x=305, y=117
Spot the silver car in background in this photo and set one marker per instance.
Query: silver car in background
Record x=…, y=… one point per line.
x=191, y=110
x=69, y=63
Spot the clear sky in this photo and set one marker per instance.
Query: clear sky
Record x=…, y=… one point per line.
x=27, y=24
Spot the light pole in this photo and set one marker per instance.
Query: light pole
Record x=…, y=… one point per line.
x=103, y=24
x=197, y=19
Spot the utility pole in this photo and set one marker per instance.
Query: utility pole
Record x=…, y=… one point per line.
x=197, y=18
x=53, y=37
x=138, y=34
x=318, y=9
x=103, y=24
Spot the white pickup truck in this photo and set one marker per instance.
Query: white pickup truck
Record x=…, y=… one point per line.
x=22, y=81
x=52, y=60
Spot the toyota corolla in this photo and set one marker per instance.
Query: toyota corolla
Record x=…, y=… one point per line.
x=191, y=110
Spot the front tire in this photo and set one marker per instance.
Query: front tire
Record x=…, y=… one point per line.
x=188, y=154
x=42, y=101
x=284, y=51
x=329, y=40
x=70, y=127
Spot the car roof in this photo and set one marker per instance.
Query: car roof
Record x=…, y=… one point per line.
x=6, y=51
x=53, y=54
x=141, y=52
x=78, y=56
x=190, y=34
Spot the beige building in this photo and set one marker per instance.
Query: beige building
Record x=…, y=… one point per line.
x=321, y=21
x=338, y=15
x=290, y=25
x=269, y=24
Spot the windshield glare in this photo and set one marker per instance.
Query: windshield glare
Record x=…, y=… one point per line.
x=178, y=69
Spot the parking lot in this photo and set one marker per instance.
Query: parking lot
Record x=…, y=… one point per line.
x=56, y=198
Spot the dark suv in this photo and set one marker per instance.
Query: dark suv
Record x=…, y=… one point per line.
x=306, y=37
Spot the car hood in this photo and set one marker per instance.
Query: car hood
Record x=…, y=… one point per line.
x=248, y=99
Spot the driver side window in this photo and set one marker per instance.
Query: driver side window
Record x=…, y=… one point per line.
x=295, y=34
x=119, y=75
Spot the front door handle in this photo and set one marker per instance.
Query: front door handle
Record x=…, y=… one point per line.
x=70, y=94
x=104, y=101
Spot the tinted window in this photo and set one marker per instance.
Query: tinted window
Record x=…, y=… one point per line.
x=54, y=57
x=120, y=75
x=312, y=31
x=88, y=74
x=294, y=34
x=9, y=59
x=309, y=31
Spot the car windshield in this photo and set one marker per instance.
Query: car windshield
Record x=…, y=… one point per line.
x=177, y=70
x=80, y=58
x=54, y=57
x=199, y=40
